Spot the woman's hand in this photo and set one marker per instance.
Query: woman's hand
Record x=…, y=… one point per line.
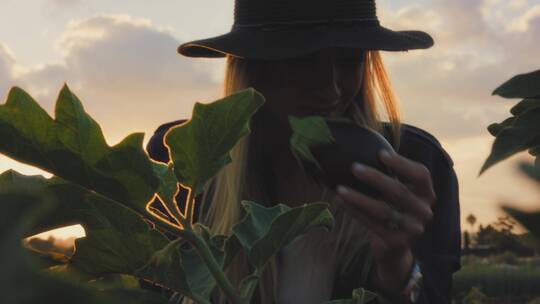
x=392, y=232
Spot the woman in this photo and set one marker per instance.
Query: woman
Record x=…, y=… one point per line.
x=322, y=58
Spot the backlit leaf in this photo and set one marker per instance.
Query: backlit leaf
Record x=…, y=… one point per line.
x=200, y=147
x=524, y=133
x=525, y=105
x=521, y=86
x=73, y=147
x=264, y=231
x=308, y=132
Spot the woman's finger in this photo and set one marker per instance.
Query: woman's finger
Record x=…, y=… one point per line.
x=376, y=214
x=393, y=240
x=394, y=191
x=414, y=173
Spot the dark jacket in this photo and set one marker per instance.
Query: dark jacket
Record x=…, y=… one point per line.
x=439, y=249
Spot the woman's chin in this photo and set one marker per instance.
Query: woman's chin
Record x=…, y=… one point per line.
x=329, y=114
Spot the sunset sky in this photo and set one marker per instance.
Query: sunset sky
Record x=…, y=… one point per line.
x=120, y=58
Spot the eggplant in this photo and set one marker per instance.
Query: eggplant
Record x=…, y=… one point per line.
x=330, y=159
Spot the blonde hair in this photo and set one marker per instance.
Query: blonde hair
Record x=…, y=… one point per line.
x=244, y=178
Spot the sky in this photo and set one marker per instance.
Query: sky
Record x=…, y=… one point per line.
x=120, y=58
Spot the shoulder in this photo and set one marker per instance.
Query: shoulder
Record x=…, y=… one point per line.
x=420, y=145
x=156, y=148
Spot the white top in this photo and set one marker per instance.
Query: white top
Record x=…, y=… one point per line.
x=308, y=266
x=306, y=270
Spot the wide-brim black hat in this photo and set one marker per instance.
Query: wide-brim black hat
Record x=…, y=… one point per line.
x=277, y=29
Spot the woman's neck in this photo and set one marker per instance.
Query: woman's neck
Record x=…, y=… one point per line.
x=295, y=188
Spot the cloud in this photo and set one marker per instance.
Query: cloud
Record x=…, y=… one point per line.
x=62, y=3
x=127, y=73
x=529, y=18
x=447, y=89
x=7, y=63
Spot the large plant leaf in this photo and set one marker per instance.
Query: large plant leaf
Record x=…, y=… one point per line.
x=22, y=281
x=200, y=147
x=182, y=269
x=117, y=239
x=73, y=147
x=167, y=192
x=522, y=134
x=264, y=231
x=521, y=86
x=496, y=128
x=230, y=245
x=525, y=105
x=519, y=109
x=308, y=132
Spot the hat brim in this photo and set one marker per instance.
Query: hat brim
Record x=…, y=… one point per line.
x=279, y=44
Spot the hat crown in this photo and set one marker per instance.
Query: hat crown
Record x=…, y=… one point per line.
x=270, y=12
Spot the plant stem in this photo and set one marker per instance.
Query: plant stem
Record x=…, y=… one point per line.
x=187, y=220
x=207, y=256
x=215, y=269
x=247, y=292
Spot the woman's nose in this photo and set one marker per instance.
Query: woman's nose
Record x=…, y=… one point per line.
x=328, y=78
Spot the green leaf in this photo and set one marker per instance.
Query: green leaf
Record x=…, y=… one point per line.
x=496, y=128
x=264, y=231
x=359, y=296
x=232, y=247
x=167, y=191
x=308, y=132
x=529, y=220
x=24, y=282
x=200, y=147
x=117, y=239
x=523, y=134
x=228, y=244
x=521, y=86
x=73, y=147
x=182, y=269
x=525, y=105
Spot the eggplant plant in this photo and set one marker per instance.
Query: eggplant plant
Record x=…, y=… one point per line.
x=518, y=133
x=111, y=191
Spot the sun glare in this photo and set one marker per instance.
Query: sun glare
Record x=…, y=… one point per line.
x=75, y=231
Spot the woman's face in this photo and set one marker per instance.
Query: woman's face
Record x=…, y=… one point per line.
x=323, y=83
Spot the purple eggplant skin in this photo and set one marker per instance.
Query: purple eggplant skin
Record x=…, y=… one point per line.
x=353, y=143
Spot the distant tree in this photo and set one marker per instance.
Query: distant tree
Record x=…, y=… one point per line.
x=501, y=237
x=505, y=224
x=471, y=219
x=486, y=235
